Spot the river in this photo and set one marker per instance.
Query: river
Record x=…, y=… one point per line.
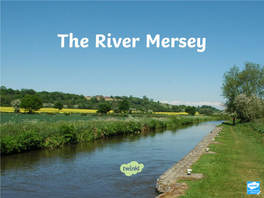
x=92, y=169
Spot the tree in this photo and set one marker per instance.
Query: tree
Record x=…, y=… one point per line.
x=31, y=103
x=16, y=105
x=58, y=106
x=249, y=81
x=124, y=105
x=190, y=110
x=104, y=108
x=248, y=107
x=175, y=108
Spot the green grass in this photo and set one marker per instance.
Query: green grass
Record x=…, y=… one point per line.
x=22, y=118
x=32, y=134
x=239, y=159
x=58, y=117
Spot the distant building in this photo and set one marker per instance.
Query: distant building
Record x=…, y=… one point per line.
x=99, y=97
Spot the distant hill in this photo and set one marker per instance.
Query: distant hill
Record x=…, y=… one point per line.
x=207, y=110
x=68, y=100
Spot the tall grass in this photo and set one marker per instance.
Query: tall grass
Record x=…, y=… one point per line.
x=31, y=135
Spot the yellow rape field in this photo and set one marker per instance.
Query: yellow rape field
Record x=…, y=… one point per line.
x=52, y=110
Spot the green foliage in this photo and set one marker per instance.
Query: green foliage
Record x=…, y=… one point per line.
x=31, y=103
x=24, y=141
x=207, y=110
x=104, y=108
x=69, y=133
x=139, y=105
x=249, y=81
x=31, y=135
x=190, y=110
x=124, y=105
x=58, y=106
x=258, y=125
x=248, y=108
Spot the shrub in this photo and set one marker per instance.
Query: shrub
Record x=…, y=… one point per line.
x=69, y=133
x=248, y=108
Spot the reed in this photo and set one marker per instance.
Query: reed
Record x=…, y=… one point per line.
x=34, y=134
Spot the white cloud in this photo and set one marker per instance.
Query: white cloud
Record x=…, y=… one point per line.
x=218, y=105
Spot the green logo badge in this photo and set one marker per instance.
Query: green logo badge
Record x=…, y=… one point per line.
x=131, y=168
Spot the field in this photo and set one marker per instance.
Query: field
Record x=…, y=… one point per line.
x=238, y=159
x=52, y=110
x=23, y=118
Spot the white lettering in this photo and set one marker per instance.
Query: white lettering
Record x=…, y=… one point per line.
x=153, y=41
x=62, y=36
x=191, y=42
x=165, y=42
x=75, y=40
x=99, y=39
x=126, y=42
x=182, y=42
x=84, y=42
x=199, y=45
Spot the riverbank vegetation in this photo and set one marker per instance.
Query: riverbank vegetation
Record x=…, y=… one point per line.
x=33, y=134
x=238, y=159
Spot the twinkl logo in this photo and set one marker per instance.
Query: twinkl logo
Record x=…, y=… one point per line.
x=131, y=168
x=253, y=187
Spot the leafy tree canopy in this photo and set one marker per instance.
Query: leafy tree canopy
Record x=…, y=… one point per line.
x=68, y=100
x=124, y=105
x=190, y=110
x=58, y=106
x=104, y=108
x=249, y=81
x=31, y=103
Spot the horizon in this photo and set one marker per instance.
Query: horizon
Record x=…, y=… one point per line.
x=177, y=103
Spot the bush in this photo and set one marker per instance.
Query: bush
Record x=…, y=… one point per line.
x=25, y=141
x=104, y=108
x=69, y=133
x=248, y=108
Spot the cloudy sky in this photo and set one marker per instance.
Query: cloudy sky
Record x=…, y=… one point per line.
x=32, y=56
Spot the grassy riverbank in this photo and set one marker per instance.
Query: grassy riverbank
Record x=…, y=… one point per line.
x=240, y=158
x=33, y=134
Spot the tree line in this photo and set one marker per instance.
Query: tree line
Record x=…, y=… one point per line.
x=59, y=100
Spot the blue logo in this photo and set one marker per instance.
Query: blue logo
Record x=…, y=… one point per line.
x=253, y=187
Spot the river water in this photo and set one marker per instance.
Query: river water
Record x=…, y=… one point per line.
x=93, y=169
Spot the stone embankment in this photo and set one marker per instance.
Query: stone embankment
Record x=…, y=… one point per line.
x=167, y=181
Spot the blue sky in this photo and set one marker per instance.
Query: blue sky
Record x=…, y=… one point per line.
x=31, y=56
